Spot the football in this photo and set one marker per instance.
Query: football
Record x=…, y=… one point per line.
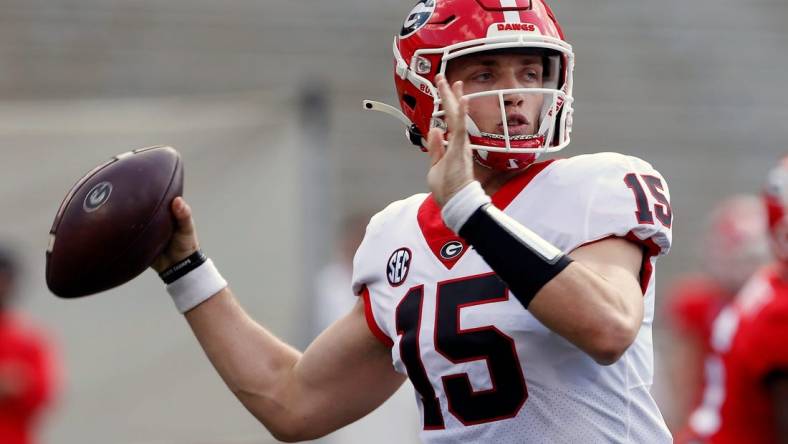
x=114, y=222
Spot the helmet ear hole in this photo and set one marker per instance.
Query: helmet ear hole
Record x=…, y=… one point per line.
x=410, y=101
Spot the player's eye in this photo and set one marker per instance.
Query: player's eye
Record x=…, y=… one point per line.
x=531, y=75
x=484, y=76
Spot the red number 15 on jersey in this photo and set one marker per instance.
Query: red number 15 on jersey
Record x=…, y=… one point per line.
x=662, y=208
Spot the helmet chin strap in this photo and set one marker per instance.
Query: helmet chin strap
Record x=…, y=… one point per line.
x=471, y=126
x=473, y=130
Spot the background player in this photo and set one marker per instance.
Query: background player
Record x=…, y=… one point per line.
x=746, y=380
x=27, y=365
x=735, y=244
x=565, y=354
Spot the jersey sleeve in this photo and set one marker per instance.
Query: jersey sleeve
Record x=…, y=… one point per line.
x=604, y=195
x=364, y=276
x=362, y=272
x=764, y=339
x=367, y=268
x=627, y=197
x=370, y=261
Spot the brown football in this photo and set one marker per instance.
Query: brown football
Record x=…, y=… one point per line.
x=114, y=222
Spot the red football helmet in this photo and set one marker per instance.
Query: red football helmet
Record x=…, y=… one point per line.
x=775, y=196
x=438, y=31
x=736, y=242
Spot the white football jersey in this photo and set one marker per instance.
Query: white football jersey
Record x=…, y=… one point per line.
x=484, y=368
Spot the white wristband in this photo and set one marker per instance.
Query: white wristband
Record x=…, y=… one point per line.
x=196, y=287
x=463, y=204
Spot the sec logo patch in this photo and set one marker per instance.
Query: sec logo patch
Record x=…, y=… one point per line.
x=398, y=266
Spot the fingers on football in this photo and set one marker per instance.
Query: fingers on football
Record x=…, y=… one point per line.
x=435, y=145
x=183, y=215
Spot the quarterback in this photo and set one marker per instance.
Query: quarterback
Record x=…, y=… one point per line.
x=518, y=296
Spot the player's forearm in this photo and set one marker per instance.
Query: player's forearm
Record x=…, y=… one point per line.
x=585, y=309
x=254, y=364
x=575, y=301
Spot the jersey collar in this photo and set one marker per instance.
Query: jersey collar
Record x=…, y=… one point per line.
x=438, y=235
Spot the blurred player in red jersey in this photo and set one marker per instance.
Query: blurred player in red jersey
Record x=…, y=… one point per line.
x=734, y=247
x=26, y=366
x=745, y=399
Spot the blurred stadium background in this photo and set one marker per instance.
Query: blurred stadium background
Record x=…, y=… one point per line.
x=262, y=98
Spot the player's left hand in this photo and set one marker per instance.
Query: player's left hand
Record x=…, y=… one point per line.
x=452, y=166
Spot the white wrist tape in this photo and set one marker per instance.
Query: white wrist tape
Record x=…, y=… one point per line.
x=196, y=287
x=463, y=204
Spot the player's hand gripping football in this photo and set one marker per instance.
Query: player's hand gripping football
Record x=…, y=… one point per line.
x=452, y=166
x=184, y=240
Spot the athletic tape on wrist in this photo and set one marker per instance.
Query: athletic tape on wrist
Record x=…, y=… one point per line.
x=463, y=204
x=520, y=257
x=196, y=287
x=183, y=267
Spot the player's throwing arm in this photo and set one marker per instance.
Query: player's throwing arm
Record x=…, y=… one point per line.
x=341, y=377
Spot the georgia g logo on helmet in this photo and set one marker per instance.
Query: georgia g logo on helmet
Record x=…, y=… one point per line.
x=418, y=17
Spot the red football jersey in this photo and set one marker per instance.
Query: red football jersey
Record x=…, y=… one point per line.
x=26, y=355
x=694, y=301
x=749, y=342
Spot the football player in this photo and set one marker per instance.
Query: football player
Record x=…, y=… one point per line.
x=518, y=296
x=734, y=246
x=29, y=369
x=746, y=380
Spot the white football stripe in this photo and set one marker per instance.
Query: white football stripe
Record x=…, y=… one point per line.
x=510, y=16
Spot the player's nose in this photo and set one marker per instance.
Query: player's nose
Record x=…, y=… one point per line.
x=510, y=81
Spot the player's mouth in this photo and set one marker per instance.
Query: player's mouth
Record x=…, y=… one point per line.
x=518, y=125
